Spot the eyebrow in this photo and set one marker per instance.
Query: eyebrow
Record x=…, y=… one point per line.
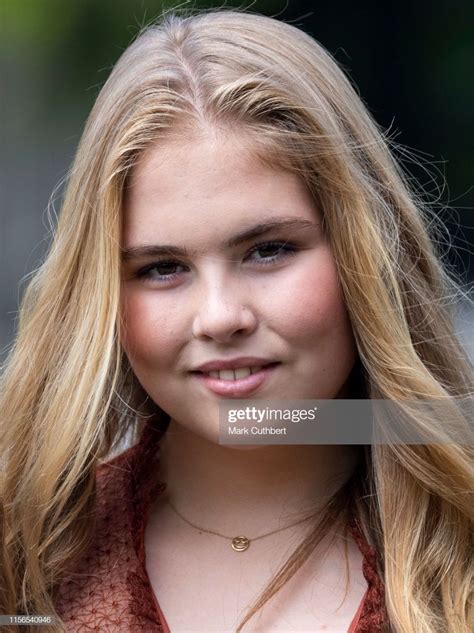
x=258, y=230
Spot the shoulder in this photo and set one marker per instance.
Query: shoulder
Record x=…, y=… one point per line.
x=107, y=582
x=114, y=485
x=372, y=615
x=110, y=546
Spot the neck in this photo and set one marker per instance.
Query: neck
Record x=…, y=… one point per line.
x=249, y=490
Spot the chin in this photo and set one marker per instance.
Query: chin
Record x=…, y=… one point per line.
x=244, y=447
x=211, y=436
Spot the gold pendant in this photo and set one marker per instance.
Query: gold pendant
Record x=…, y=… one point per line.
x=240, y=543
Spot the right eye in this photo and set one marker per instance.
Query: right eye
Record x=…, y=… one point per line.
x=159, y=272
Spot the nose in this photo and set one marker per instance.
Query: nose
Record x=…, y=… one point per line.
x=223, y=313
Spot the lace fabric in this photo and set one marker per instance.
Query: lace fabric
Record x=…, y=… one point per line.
x=109, y=588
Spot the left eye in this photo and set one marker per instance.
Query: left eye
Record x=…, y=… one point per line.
x=165, y=270
x=277, y=250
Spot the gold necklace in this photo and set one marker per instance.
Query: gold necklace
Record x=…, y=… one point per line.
x=238, y=543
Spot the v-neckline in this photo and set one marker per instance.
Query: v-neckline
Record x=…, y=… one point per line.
x=146, y=490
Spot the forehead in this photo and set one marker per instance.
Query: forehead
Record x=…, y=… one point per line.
x=200, y=191
x=175, y=166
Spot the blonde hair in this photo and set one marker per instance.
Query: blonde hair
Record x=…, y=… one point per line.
x=66, y=378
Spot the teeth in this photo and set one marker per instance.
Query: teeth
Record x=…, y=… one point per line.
x=242, y=372
x=226, y=374
x=233, y=374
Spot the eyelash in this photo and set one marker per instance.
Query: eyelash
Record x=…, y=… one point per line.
x=145, y=274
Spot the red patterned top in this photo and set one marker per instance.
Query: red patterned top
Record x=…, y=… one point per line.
x=109, y=589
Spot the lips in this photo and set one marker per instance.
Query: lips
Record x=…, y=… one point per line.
x=236, y=373
x=236, y=387
x=234, y=363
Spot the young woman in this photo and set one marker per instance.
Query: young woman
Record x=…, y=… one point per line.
x=234, y=227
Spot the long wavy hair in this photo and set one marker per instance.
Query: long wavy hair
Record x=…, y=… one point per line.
x=67, y=394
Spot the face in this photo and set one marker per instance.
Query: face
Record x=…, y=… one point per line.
x=250, y=274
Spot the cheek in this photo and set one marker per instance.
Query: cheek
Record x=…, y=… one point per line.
x=312, y=306
x=149, y=330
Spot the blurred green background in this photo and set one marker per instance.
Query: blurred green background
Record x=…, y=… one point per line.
x=412, y=63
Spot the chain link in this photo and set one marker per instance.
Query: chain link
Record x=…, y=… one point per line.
x=230, y=538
